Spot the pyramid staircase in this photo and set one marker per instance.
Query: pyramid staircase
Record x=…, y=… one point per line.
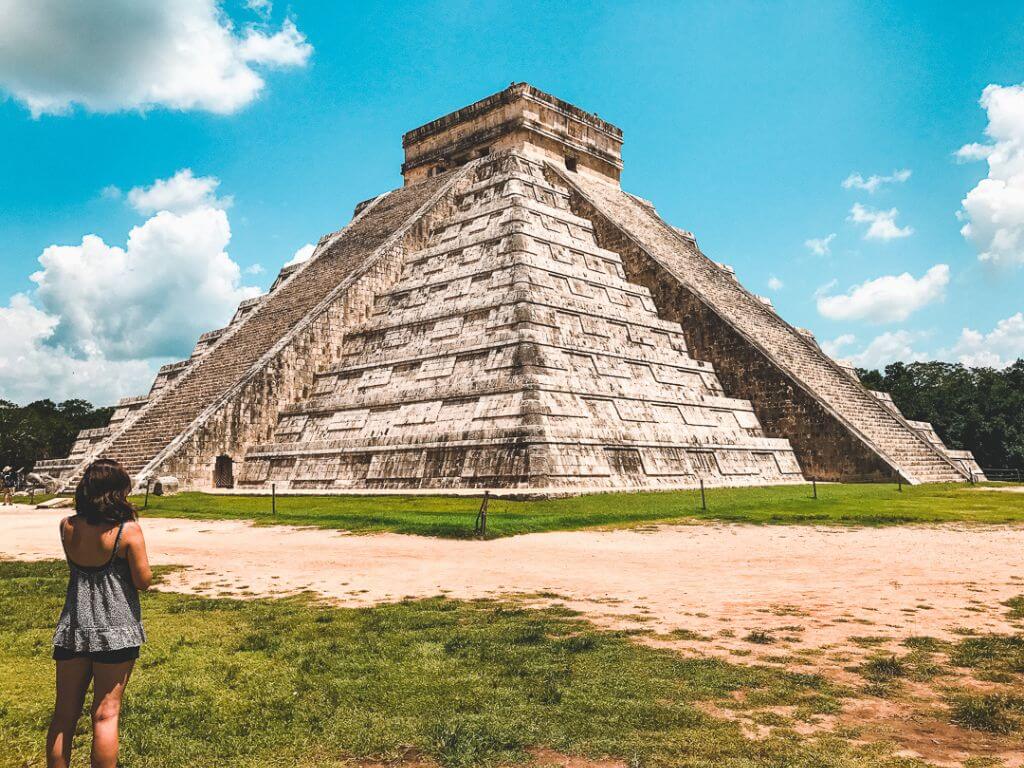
x=886, y=433
x=180, y=406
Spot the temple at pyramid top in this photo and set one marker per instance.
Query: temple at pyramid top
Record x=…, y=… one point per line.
x=522, y=118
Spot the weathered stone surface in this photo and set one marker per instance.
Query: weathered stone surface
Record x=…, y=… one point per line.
x=166, y=485
x=508, y=318
x=512, y=351
x=838, y=430
x=963, y=459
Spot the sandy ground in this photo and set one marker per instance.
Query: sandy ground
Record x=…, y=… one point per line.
x=837, y=581
x=811, y=588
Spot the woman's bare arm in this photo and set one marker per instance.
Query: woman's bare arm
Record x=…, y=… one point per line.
x=138, y=558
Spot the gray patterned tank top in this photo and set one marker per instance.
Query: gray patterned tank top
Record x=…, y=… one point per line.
x=101, y=609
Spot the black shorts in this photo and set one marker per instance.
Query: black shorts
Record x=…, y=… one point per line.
x=120, y=656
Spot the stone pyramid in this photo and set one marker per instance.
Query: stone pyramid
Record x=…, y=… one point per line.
x=510, y=318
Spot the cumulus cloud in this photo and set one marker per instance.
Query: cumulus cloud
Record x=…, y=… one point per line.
x=968, y=153
x=302, y=254
x=879, y=352
x=286, y=48
x=881, y=224
x=172, y=281
x=820, y=246
x=998, y=348
x=181, y=193
x=872, y=183
x=774, y=283
x=888, y=348
x=886, y=299
x=834, y=347
x=994, y=209
x=99, y=308
x=31, y=367
x=114, y=55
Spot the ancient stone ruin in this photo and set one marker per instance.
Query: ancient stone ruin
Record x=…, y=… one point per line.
x=510, y=318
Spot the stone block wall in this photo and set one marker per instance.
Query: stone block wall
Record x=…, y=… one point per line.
x=249, y=416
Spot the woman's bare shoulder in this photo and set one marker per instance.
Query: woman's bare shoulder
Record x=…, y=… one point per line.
x=132, y=531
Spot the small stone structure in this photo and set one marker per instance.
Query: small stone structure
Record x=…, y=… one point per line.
x=510, y=318
x=165, y=485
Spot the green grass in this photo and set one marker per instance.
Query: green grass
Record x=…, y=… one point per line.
x=453, y=516
x=290, y=683
x=881, y=669
x=38, y=498
x=993, y=655
x=1016, y=606
x=992, y=712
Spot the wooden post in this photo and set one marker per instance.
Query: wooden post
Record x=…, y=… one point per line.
x=273, y=499
x=481, y=516
x=145, y=504
x=814, y=487
x=703, y=499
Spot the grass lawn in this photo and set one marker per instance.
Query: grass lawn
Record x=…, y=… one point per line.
x=289, y=683
x=453, y=516
x=37, y=498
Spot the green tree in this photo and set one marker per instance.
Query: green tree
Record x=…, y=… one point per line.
x=44, y=429
x=980, y=409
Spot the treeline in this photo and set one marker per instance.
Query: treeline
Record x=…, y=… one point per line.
x=980, y=409
x=44, y=429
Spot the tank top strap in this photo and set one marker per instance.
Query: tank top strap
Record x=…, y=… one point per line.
x=117, y=543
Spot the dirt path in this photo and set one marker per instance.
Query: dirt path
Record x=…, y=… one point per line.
x=831, y=582
x=815, y=592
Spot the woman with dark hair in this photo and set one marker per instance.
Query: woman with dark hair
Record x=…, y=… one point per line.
x=100, y=629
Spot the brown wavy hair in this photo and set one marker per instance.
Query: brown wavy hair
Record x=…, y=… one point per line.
x=102, y=494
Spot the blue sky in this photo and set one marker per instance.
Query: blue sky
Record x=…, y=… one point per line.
x=741, y=122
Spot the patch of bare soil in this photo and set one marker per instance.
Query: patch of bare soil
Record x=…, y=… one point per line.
x=804, y=598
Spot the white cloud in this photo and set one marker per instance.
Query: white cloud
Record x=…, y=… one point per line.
x=254, y=269
x=774, y=283
x=968, y=153
x=888, y=348
x=834, y=348
x=114, y=55
x=820, y=246
x=872, y=183
x=302, y=254
x=998, y=348
x=994, y=208
x=286, y=48
x=885, y=348
x=102, y=317
x=262, y=7
x=31, y=368
x=111, y=192
x=181, y=193
x=171, y=282
x=886, y=299
x=882, y=224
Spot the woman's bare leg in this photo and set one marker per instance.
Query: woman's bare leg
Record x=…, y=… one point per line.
x=109, y=681
x=73, y=678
